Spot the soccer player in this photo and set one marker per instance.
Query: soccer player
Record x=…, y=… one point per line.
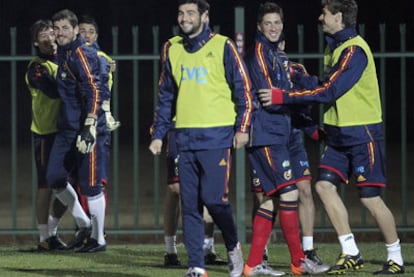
x=81, y=125
x=203, y=83
x=41, y=82
x=353, y=123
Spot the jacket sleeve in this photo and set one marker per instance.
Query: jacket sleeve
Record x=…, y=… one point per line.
x=239, y=81
x=339, y=80
x=167, y=94
x=39, y=78
x=89, y=78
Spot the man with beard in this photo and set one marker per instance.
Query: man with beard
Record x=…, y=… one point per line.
x=204, y=83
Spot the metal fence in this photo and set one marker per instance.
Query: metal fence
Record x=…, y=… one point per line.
x=137, y=181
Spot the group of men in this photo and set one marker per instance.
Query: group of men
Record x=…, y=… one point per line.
x=70, y=83
x=213, y=101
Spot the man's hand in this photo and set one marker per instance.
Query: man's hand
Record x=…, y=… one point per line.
x=240, y=139
x=85, y=141
x=270, y=96
x=155, y=146
x=111, y=123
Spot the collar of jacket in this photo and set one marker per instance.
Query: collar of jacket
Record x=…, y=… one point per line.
x=195, y=43
x=72, y=45
x=261, y=38
x=340, y=37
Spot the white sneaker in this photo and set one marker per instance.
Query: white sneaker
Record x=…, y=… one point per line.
x=196, y=272
x=311, y=267
x=261, y=270
x=236, y=261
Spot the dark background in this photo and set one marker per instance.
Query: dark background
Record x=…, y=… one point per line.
x=145, y=14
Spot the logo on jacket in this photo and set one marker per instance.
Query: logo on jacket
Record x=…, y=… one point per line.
x=198, y=74
x=287, y=174
x=222, y=162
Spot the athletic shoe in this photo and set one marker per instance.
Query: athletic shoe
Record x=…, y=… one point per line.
x=80, y=238
x=391, y=267
x=346, y=262
x=210, y=258
x=91, y=246
x=261, y=270
x=52, y=243
x=235, y=261
x=312, y=255
x=265, y=258
x=171, y=259
x=194, y=272
x=308, y=267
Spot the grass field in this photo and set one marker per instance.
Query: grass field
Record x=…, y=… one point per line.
x=147, y=260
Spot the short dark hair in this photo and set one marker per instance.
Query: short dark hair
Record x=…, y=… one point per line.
x=38, y=26
x=348, y=8
x=87, y=19
x=202, y=5
x=268, y=7
x=66, y=14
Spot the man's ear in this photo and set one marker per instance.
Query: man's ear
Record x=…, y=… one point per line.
x=35, y=43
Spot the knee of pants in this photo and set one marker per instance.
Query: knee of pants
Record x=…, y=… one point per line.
x=328, y=175
x=91, y=191
x=55, y=180
x=369, y=192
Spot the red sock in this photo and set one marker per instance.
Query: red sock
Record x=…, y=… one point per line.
x=288, y=217
x=262, y=227
x=83, y=201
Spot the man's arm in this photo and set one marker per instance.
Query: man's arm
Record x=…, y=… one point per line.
x=239, y=81
x=166, y=103
x=339, y=80
x=39, y=77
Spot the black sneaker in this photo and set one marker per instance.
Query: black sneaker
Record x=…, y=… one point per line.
x=171, y=259
x=391, y=267
x=91, y=246
x=346, y=262
x=52, y=243
x=80, y=238
x=210, y=258
x=313, y=256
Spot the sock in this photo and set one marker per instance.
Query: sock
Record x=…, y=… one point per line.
x=394, y=252
x=69, y=198
x=83, y=201
x=208, y=245
x=97, y=209
x=43, y=234
x=170, y=244
x=262, y=227
x=52, y=225
x=307, y=243
x=288, y=217
x=348, y=244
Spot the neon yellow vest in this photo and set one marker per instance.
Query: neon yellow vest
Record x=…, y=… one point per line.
x=109, y=59
x=361, y=105
x=204, y=98
x=45, y=110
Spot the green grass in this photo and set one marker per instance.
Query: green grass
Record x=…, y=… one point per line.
x=147, y=260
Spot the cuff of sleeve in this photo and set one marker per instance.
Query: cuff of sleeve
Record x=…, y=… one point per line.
x=277, y=96
x=315, y=135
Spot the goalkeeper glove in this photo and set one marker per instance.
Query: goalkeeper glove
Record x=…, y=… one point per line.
x=111, y=123
x=87, y=137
